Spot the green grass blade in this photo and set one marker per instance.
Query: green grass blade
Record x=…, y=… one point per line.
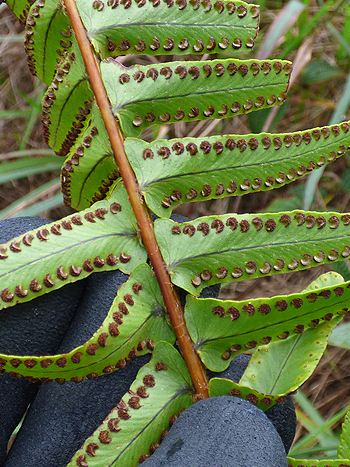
x=26, y=204
x=11, y=114
x=308, y=27
x=283, y=22
x=23, y=168
x=41, y=207
x=329, y=451
x=26, y=153
x=318, y=463
x=32, y=121
x=320, y=430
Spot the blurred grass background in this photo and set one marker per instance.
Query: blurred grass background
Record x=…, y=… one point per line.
x=316, y=36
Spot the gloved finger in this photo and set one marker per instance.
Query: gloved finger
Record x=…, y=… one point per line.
x=33, y=328
x=281, y=415
x=221, y=431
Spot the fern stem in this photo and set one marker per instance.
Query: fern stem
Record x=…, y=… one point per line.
x=139, y=207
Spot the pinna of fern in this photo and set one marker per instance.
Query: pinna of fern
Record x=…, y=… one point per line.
x=92, y=103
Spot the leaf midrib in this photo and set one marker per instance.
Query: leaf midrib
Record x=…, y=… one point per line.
x=66, y=371
x=247, y=166
x=92, y=239
x=197, y=93
x=46, y=40
x=301, y=316
x=255, y=247
x=95, y=32
x=61, y=110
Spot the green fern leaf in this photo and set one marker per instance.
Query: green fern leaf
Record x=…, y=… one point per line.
x=89, y=170
x=344, y=444
x=67, y=104
x=173, y=172
x=56, y=254
x=222, y=329
x=135, y=322
x=142, y=95
x=318, y=463
x=282, y=367
x=216, y=249
x=48, y=38
x=169, y=27
x=133, y=429
x=20, y=8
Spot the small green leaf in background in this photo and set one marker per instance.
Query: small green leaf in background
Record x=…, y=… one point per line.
x=319, y=70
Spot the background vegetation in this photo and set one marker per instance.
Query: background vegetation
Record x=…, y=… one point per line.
x=316, y=36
